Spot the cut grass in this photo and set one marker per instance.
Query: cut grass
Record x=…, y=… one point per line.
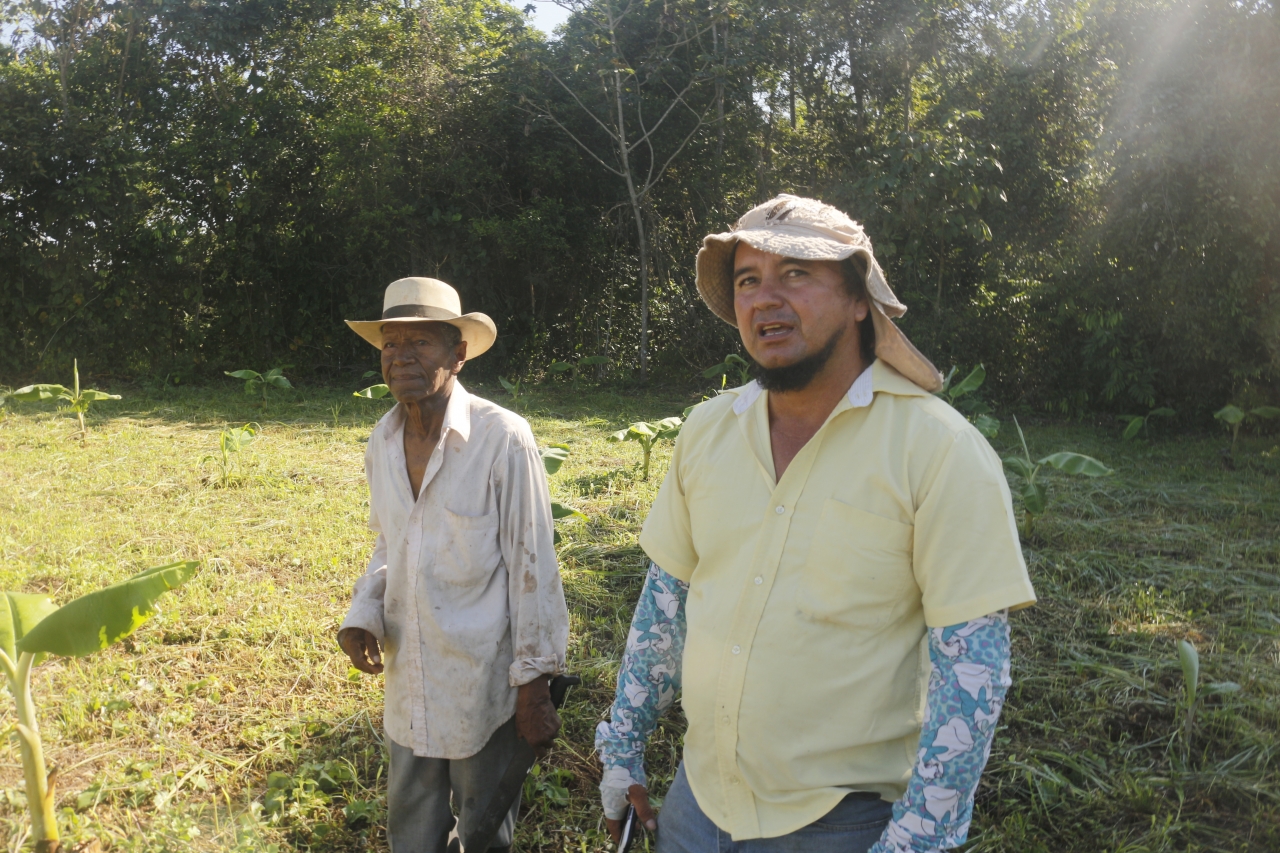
x=231, y=722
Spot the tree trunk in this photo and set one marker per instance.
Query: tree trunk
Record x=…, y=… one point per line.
x=637, y=210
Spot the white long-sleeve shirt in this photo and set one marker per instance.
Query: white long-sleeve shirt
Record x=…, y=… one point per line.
x=463, y=590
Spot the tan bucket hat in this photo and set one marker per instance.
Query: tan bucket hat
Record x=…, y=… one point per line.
x=412, y=300
x=805, y=228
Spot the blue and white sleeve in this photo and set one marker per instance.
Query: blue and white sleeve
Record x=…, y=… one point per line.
x=967, y=686
x=648, y=681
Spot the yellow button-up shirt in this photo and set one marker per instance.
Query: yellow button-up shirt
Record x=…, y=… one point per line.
x=805, y=663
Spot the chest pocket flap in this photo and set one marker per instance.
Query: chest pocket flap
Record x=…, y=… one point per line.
x=859, y=568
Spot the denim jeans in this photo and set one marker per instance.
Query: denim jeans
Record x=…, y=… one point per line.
x=852, y=826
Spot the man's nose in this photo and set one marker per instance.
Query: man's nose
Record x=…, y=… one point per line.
x=768, y=294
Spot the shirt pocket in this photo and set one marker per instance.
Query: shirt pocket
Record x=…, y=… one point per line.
x=859, y=568
x=468, y=551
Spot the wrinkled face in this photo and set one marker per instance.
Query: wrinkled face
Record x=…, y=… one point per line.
x=418, y=359
x=789, y=309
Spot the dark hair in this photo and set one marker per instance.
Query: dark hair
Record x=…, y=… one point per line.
x=452, y=334
x=855, y=283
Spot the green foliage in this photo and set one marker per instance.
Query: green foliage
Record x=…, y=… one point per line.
x=230, y=442
x=1233, y=417
x=648, y=434
x=514, y=389
x=78, y=400
x=373, y=392
x=573, y=368
x=553, y=457
x=733, y=364
x=547, y=784
x=972, y=407
x=1035, y=496
x=99, y=619
x=1135, y=424
x=31, y=627
x=258, y=383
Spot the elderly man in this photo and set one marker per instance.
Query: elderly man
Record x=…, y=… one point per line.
x=834, y=558
x=462, y=602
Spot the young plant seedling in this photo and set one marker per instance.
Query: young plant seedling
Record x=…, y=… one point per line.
x=574, y=368
x=255, y=382
x=514, y=389
x=1035, y=497
x=1135, y=424
x=649, y=434
x=1233, y=417
x=32, y=626
x=975, y=411
x=230, y=443
x=733, y=363
x=553, y=457
x=78, y=399
x=1189, y=659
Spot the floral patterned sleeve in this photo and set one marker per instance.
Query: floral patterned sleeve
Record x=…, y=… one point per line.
x=967, y=687
x=647, y=684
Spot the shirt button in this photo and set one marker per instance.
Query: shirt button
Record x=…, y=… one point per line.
x=780, y=510
x=733, y=780
x=724, y=720
x=759, y=581
x=737, y=649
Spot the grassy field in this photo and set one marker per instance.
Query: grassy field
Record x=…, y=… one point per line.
x=231, y=721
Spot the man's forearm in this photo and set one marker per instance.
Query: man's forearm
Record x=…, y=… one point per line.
x=967, y=686
x=648, y=681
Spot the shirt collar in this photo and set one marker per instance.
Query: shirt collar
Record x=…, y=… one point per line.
x=860, y=393
x=457, y=415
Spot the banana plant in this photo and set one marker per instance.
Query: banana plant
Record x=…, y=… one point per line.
x=373, y=392
x=78, y=399
x=733, y=363
x=573, y=368
x=1035, y=497
x=1233, y=417
x=553, y=456
x=1135, y=424
x=230, y=443
x=649, y=434
x=255, y=382
x=974, y=409
x=32, y=626
x=514, y=389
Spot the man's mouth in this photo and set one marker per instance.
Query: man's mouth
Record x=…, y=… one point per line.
x=771, y=330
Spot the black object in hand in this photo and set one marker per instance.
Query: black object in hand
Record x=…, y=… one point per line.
x=630, y=829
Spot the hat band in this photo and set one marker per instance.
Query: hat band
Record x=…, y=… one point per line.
x=426, y=312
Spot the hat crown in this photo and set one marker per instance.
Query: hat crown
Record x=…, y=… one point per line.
x=422, y=291
x=792, y=212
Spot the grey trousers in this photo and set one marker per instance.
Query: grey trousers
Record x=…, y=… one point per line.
x=419, y=819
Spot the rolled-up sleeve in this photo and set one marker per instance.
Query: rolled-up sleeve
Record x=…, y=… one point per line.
x=539, y=617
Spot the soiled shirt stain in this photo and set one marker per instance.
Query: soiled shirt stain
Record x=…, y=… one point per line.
x=454, y=592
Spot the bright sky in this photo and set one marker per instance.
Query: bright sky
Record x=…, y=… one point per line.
x=547, y=16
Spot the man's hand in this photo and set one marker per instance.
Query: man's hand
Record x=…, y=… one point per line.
x=536, y=717
x=362, y=647
x=639, y=797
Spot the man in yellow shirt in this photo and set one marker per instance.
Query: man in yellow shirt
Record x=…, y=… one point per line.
x=834, y=557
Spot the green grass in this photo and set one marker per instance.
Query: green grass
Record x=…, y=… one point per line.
x=171, y=740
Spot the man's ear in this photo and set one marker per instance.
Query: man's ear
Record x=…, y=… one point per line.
x=861, y=308
x=460, y=357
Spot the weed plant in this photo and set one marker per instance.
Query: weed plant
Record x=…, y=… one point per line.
x=233, y=722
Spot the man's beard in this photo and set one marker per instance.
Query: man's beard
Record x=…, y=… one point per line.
x=794, y=377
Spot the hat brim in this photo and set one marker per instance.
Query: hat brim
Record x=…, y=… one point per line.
x=477, y=330
x=715, y=286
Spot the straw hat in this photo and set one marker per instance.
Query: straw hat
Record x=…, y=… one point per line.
x=413, y=300
x=805, y=228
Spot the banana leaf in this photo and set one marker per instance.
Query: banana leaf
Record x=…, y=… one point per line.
x=19, y=613
x=373, y=392
x=92, y=622
x=1076, y=463
x=554, y=456
x=41, y=392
